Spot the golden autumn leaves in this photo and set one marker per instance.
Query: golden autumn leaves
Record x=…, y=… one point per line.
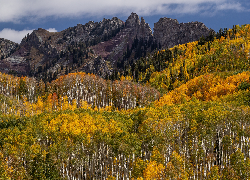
x=206, y=88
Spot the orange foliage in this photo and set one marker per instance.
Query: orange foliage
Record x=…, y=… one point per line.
x=205, y=87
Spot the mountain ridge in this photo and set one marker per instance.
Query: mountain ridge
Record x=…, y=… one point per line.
x=96, y=47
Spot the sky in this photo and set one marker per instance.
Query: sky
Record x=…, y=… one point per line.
x=20, y=17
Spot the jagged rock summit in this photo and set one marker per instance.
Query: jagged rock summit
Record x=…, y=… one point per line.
x=133, y=28
x=95, y=47
x=169, y=32
x=141, y=28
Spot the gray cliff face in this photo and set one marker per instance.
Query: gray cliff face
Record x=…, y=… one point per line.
x=93, y=31
x=8, y=59
x=140, y=28
x=169, y=32
x=7, y=47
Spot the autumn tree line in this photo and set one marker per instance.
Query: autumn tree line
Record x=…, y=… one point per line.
x=73, y=88
x=196, y=125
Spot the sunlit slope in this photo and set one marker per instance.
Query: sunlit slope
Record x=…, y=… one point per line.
x=168, y=69
x=208, y=87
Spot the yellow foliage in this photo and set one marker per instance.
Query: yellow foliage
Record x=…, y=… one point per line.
x=214, y=173
x=85, y=105
x=127, y=78
x=35, y=149
x=175, y=168
x=109, y=128
x=5, y=171
x=138, y=167
x=157, y=156
x=205, y=87
x=154, y=171
x=72, y=124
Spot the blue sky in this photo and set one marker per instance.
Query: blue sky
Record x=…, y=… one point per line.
x=19, y=17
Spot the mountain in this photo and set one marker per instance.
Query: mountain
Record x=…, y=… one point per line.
x=96, y=47
x=189, y=120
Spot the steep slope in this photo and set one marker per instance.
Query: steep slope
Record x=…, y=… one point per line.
x=114, y=49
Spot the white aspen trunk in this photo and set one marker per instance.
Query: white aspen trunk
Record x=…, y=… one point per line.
x=112, y=166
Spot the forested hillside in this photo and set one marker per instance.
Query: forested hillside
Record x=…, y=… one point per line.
x=181, y=113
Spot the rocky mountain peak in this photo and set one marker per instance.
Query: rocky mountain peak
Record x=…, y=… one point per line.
x=140, y=28
x=133, y=20
x=169, y=32
x=167, y=21
x=142, y=21
x=145, y=30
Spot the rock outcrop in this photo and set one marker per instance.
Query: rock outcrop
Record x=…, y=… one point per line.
x=114, y=49
x=7, y=47
x=93, y=32
x=140, y=28
x=169, y=32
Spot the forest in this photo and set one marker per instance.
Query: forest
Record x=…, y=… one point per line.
x=180, y=113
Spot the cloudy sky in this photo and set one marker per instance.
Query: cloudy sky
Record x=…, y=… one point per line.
x=19, y=17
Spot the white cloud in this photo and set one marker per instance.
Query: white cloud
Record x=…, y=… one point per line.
x=13, y=35
x=17, y=36
x=16, y=10
x=229, y=6
x=52, y=30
